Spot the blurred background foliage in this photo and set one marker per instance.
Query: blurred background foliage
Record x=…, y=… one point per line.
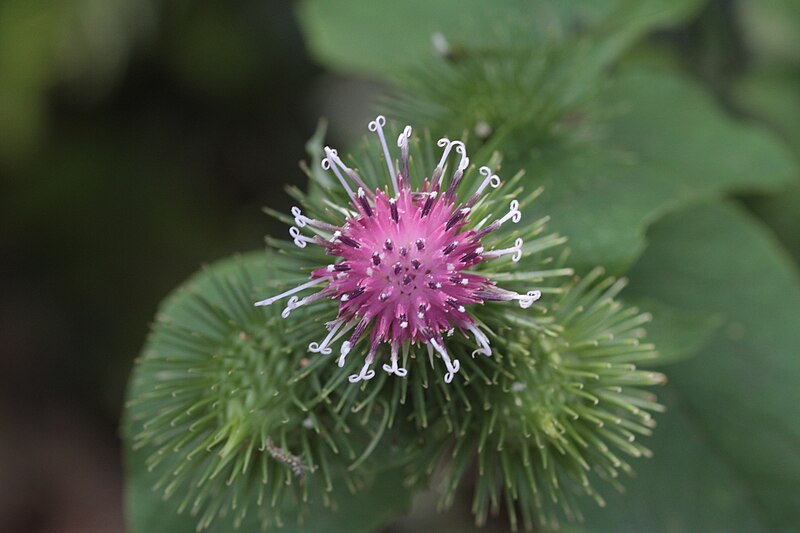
x=140, y=138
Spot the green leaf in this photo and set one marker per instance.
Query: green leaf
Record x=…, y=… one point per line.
x=669, y=145
x=227, y=290
x=781, y=214
x=676, y=333
x=727, y=455
x=385, y=38
x=685, y=487
x=771, y=95
x=666, y=144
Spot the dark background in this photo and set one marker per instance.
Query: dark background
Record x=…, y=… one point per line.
x=117, y=181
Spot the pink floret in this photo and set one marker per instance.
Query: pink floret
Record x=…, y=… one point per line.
x=408, y=275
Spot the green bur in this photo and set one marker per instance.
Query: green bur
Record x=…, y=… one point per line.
x=234, y=424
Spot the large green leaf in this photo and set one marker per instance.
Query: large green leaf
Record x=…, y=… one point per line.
x=770, y=92
x=685, y=487
x=676, y=333
x=379, y=496
x=650, y=143
x=727, y=454
x=667, y=145
x=385, y=37
x=780, y=211
x=772, y=96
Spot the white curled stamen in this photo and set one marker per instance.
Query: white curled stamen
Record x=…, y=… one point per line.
x=394, y=368
x=448, y=145
x=526, y=300
x=459, y=173
x=365, y=374
x=464, y=162
x=343, y=351
x=332, y=162
x=377, y=126
x=516, y=250
x=299, y=218
x=490, y=179
x=293, y=303
x=402, y=140
x=299, y=288
x=300, y=240
x=514, y=214
x=482, y=340
x=323, y=348
x=453, y=366
x=320, y=228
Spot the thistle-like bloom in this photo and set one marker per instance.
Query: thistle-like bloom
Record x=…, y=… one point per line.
x=403, y=269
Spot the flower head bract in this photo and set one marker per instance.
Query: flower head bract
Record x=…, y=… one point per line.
x=403, y=262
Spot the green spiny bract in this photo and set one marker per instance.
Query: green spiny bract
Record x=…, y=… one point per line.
x=230, y=413
x=565, y=409
x=239, y=420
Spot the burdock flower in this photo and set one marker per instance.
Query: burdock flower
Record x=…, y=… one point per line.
x=234, y=422
x=403, y=267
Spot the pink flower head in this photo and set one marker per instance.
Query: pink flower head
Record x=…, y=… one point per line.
x=404, y=263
